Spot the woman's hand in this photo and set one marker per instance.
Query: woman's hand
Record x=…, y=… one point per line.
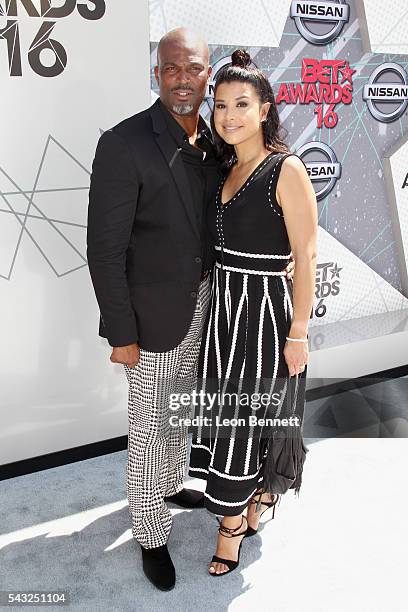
x=296, y=356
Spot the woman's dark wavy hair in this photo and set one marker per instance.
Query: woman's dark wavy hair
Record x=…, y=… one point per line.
x=273, y=132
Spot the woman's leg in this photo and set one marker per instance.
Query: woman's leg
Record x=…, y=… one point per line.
x=253, y=515
x=227, y=547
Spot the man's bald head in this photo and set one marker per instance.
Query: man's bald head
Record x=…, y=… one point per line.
x=185, y=38
x=182, y=70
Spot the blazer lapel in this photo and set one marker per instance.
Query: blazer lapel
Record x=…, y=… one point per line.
x=175, y=164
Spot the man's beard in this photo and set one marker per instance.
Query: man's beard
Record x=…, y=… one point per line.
x=183, y=109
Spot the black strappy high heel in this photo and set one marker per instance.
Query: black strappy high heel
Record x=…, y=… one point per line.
x=230, y=534
x=250, y=530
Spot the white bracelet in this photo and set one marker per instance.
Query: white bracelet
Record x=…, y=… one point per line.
x=297, y=339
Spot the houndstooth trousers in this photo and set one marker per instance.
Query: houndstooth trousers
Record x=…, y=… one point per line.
x=157, y=450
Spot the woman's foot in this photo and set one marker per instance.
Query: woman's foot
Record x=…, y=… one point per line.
x=253, y=515
x=228, y=543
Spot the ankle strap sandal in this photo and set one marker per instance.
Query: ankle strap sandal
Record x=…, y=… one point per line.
x=257, y=499
x=229, y=532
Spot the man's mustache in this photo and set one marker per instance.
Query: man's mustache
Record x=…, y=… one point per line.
x=182, y=89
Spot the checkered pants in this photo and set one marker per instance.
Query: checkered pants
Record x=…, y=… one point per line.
x=157, y=451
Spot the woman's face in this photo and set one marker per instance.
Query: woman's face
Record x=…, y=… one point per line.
x=238, y=112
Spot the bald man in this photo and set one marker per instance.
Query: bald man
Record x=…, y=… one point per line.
x=149, y=261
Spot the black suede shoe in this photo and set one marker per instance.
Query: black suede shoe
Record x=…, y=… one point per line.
x=187, y=498
x=158, y=567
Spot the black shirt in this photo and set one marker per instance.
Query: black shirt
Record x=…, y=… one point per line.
x=196, y=161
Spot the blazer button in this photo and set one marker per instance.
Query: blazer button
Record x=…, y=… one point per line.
x=198, y=259
x=193, y=294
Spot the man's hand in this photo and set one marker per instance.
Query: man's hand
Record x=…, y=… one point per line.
x=290, y=268
x=128, y=355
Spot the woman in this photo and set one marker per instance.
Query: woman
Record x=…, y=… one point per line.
x=255, y=339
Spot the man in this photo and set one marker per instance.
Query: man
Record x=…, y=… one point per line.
x=149, y=260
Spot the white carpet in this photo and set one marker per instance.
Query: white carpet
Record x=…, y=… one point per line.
x=340, y=546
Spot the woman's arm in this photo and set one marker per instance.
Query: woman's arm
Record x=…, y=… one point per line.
x=296, y=196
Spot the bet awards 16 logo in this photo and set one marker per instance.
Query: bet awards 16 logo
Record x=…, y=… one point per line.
x=41, y=9
x=322, y=82
x=327, y=283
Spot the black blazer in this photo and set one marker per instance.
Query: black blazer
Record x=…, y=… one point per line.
x=144, y=246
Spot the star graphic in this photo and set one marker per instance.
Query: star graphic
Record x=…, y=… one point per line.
x=335, y=271
x=347, y=73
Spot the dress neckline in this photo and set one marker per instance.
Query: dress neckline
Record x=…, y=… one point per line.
x=246, y=182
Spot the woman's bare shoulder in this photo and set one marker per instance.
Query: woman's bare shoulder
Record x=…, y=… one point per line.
x=293, y=177
x=293, y=165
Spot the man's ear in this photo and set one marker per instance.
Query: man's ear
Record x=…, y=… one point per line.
x=209, y=73
x=156, y=74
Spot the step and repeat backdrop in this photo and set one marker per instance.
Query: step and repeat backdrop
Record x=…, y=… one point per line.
x=70, y=69
x=339, y=75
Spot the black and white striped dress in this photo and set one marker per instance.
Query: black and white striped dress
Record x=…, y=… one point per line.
x=241, y=355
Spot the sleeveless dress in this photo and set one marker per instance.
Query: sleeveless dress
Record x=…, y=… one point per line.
x=244, y=386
